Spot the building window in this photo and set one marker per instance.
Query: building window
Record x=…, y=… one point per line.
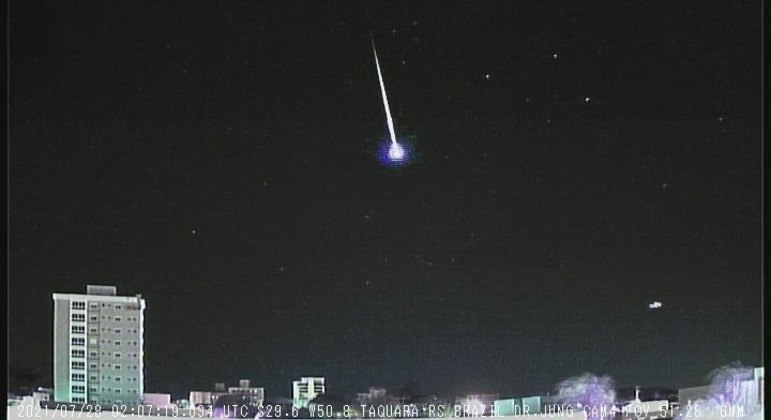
x=78, y=341
x=78, y=377
x=91, y=365
x=117, y=355
x=117, y=390
x=78, y=317
x=93, y=354
x=93, y=330
x=78, y=305
x=116, y=379
x=117, y=342
x=78, y=389
x=93, y=378
x=92, y=341
x=78, y=365
x=78, y=353
x=117, y=367
x=78, y=329
x=118, y=331
x=93, y=305
x=78, y=399
x=118, y=306
x=93, y=318
x=118, y=319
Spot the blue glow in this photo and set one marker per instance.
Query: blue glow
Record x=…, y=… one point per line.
x=394, y=154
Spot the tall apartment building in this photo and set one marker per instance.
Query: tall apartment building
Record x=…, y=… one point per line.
x=98, y=347
x=306, y=389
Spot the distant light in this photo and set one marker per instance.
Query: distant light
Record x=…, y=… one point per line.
x=587, y=99
x=487, y=76
x=554, y=55
x=654, y=305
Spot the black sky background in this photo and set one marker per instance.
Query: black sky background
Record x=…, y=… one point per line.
x=218, y=158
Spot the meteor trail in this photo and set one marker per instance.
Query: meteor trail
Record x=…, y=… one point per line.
x=395, y=151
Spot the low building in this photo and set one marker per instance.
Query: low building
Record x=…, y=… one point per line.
x=517, y=406
x=42, y=396
x=476, y=404
x=687, y=396
x=305, y=389
x=204, y=398
x=373, y=396
x=156, y=400
x=508, y=407
x=255, y=395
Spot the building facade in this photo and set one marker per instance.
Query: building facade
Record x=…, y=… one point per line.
x=306, y=389
x=255, y=395
x=98, y=347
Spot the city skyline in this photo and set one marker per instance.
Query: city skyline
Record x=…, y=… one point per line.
x=583, y=192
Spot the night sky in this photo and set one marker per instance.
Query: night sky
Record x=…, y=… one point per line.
x=571, y=163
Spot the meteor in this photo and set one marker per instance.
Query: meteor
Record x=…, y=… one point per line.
x=396, y=152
